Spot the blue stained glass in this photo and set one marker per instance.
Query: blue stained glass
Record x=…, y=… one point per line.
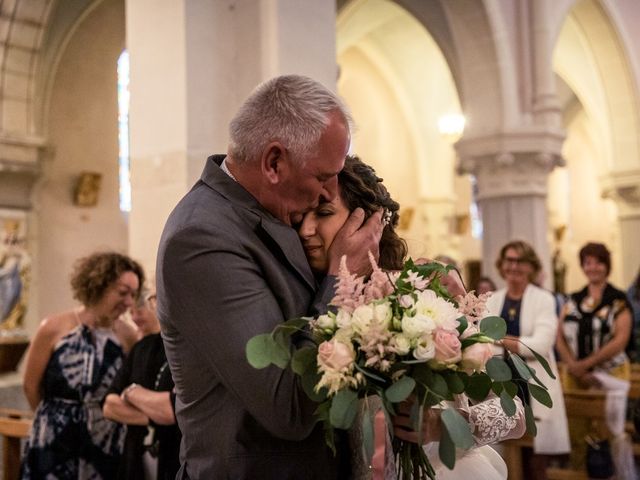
x=124, y=166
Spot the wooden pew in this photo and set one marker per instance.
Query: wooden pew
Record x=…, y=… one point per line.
x=584, y=404
x=14, y=426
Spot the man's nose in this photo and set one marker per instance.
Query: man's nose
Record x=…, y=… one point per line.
x=330, y=189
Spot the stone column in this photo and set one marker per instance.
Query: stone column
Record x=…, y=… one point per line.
x=623, y=187
x=511, y=172
x=192, y=64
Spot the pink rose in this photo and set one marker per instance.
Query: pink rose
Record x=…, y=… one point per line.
x=476, y=356
x=448, y=347
x=334, y=355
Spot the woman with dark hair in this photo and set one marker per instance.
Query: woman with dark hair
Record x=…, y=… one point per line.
x=71, y=363
x=531, y=319
x=360, y=187
x=594, y=332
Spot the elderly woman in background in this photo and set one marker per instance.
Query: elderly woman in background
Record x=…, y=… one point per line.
x=142, y=397
x=531, y=319
x=71, y=362
x=594, y=331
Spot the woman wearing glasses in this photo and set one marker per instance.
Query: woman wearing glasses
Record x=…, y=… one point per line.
x=142, y=397
x=531, y=319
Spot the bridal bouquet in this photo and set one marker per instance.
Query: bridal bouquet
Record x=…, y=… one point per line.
x=402, y=337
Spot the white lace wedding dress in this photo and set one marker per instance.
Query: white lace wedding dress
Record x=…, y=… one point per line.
x=489, y=425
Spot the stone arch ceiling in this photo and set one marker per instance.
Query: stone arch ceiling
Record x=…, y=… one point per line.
x=22, y=27
x=603, y=80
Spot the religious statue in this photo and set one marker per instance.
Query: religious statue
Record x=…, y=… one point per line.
x=15, y=272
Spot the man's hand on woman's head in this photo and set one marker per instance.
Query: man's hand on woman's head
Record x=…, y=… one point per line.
x=355, y=239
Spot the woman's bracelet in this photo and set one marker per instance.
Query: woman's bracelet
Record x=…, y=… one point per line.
x=127, y=391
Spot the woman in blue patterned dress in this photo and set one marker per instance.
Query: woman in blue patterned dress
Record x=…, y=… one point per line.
x=71, y=362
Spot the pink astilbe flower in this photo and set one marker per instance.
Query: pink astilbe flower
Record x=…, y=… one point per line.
x=473, y=307
x=375, y=344
x=379, y=285
x=349, y=289
x=416, y=280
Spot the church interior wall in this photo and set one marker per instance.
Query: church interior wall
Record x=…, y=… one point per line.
x=82, y=125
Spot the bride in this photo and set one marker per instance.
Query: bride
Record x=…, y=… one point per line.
x=359, y=187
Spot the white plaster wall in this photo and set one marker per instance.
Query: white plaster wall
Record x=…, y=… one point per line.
x=590, y=217
x=83, y=136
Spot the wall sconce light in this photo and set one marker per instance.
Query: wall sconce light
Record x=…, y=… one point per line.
x=87, y=189
x=451, y=125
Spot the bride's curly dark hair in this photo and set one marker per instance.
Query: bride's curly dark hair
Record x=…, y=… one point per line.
x=361, y=187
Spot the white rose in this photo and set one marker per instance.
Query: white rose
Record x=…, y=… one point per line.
x=361, y=318
x=343, y=319
x=425, y=348
x=402, y=344
x=325, y=322
x=382, y=314
x=417, y=325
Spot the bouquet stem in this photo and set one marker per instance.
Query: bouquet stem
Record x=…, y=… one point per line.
x=412, y=462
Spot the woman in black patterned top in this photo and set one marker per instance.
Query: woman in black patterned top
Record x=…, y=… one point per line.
x=596, y=322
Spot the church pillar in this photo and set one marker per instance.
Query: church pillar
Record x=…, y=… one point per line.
x=192, y=64
x=511, y=172
x=623, y=187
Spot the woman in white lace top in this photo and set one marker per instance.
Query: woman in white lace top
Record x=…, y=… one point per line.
x=360, y=187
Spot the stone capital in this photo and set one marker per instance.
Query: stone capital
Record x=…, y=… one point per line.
x=623, y=187
x=514, y=163
x=19, y=169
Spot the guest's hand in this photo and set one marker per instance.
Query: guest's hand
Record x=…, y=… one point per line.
x=511, y=343
x=403, y=428
x=356, y=239
x=579, y=369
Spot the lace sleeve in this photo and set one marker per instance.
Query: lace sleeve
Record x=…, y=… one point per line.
x=490, y=424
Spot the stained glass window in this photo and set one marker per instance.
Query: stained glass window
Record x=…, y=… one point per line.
x=124, y=170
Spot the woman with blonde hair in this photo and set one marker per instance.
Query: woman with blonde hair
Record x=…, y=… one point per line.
x=531, y=319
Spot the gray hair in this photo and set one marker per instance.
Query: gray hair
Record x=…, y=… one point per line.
x=292, y=109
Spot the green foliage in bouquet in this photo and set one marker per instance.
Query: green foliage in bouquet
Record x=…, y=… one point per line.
x=401, y=336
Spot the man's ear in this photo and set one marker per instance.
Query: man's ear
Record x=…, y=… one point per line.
x=272, y=162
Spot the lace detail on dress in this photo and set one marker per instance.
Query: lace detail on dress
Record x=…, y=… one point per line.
x=490, y=424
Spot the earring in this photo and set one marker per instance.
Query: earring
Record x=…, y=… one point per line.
x=386, y=217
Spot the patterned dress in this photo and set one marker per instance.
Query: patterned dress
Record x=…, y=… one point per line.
x=70, y=438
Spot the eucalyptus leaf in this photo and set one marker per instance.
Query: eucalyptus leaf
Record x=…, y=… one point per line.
x=462, y=324
x=457, y=428
x=541, y=395
x=370, y=374
x=262, y=351
x=478, y=386
x=497, y=388
x=344, y=408
x=523, y=369
x=542, y=360
x=498, y=369
x=447, y=450
x=400, y=390
x=511, y=388
x=439, y=386
x=309, y=380
x=367, y=435
x=508, y=405
x=416, y=416
x=494, y=327
x=303, y=359
x=454, y=382
x=530, y=421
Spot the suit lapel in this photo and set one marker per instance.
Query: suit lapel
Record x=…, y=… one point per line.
x=286, y=241
x=281, y=239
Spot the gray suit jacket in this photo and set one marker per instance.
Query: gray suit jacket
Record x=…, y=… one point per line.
x=227, y=270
